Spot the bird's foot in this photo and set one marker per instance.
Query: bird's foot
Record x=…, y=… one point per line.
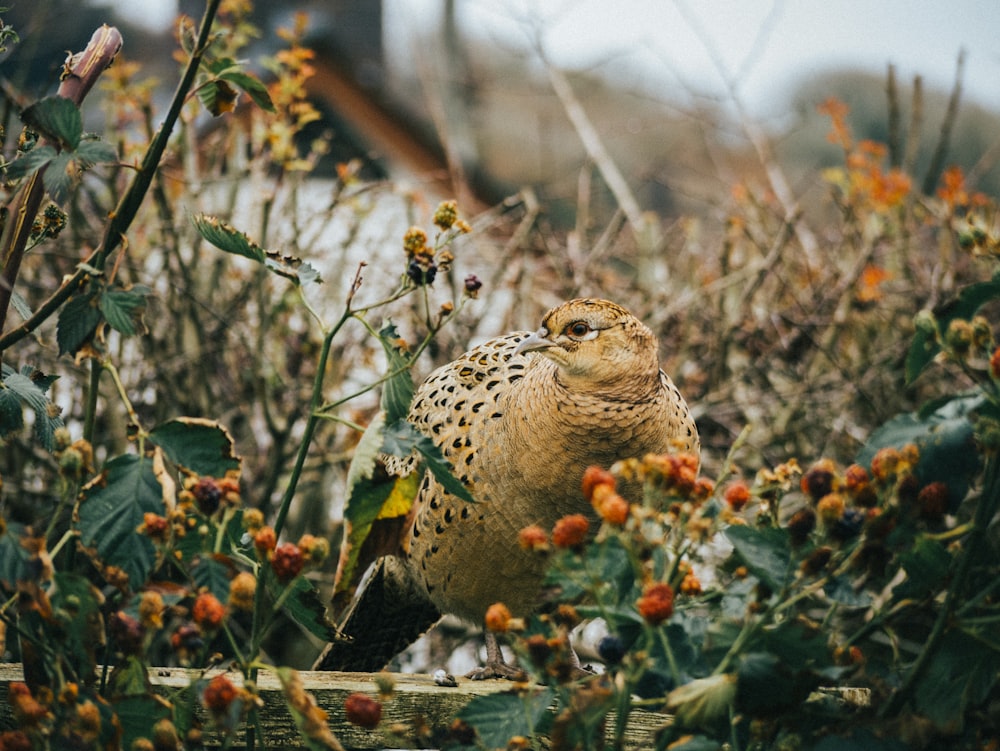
x=497, y=669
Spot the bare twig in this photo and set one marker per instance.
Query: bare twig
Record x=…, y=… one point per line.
x=947, y=126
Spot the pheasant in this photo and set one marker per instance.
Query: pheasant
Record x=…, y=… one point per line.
x=519, y=418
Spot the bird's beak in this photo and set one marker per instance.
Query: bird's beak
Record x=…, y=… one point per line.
x=534, y=342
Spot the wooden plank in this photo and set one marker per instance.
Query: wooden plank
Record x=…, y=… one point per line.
x=417, y=701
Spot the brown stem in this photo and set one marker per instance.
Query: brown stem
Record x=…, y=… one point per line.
x=79, y=76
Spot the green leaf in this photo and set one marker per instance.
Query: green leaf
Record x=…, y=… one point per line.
x=960, y=674
x=60, y=177
x=78, y=319
x=79, y=626
x=123, y=307
x=13, y=557
x=305, y=607
x=367, y=493
x=92, y=152
x=111, y=511
x=34, y=160
x=765, y=552
x=227, y=238
x=28, y=388
x=56, y=117
x=499, y=717
x=256, y=90
x=402, y=438
x=927, y=564
x=138, y=714
x=201, y=446
x=213, y=575
x=397, y=393
x=218, y=97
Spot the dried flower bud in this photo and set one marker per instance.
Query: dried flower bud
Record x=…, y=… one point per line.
x=242, y=589
x=594, y=476
x=472, y=286
x=414, y=241
x=446, y=214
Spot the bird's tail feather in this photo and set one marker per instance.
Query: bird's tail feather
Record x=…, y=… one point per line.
x=390, y=613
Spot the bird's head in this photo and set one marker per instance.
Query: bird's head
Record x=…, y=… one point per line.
x=594, y=343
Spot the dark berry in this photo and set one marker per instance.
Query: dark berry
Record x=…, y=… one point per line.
x=207, y=494
x=611, y=649
x=801, y=525
x=848, y=525
x=421, y=275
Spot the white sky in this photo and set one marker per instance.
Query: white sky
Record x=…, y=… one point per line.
x=780, y=39
x=771, y=41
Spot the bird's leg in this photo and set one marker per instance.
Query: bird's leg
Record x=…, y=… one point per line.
x=495, y=666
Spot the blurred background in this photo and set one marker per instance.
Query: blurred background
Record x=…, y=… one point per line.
x=774, y=187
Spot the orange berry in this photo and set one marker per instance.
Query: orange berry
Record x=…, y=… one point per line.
x=657, y=602
x=570, y=531
x=498, y=618
x=594, y=476
x=830, y=507
x=264, y=540
x=207, y=611
x=614, y=509
x=532, y=538
x=219, y=694
x=737, y=495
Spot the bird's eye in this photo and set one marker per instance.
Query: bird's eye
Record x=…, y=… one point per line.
x=578, y=328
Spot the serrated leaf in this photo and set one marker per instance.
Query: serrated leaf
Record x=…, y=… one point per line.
x=213, y=575
x=766, y=552
x=218, y=97
x=78, y=319
x=499, y=717
x=30, y=162
x=111, y=510
x=60, y=176
x=13, y=557
x=199, y=445
x=227, y=238
x=94, y=152
x=138, y=714
x=402, y=438
x=123, y=307
x=305, y=607
x=56, y=117
x=927, y=564
x=256, y=90
x=397, y=393
x=366, y=495
x=21, y=389
x=961, y=673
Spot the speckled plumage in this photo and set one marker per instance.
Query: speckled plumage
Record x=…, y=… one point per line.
x=520, y=418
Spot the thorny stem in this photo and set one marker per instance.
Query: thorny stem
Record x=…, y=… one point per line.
x=128, y=207
x=985, y=511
